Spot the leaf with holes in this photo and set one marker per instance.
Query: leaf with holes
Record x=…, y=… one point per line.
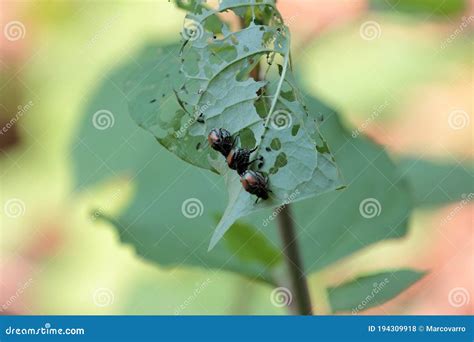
x=214, y=88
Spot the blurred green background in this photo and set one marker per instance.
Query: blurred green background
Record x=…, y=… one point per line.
x=398, y=85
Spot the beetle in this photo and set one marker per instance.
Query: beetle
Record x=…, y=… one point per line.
x=221, y=140
x=256, y=183
x=238, y=159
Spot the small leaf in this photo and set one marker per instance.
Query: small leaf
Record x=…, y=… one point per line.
x=248, y=244
x=437, y=183
x=372, y=290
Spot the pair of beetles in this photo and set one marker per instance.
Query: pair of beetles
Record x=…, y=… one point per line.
x=237, y=159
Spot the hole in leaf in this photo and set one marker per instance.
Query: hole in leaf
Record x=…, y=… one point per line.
x=275, y=144
x=281, y=160
x=295, y=129
x=273, y=170
x=247, y=138
x=323, y=148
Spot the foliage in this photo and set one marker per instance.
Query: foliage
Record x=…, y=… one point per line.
x=167, y=94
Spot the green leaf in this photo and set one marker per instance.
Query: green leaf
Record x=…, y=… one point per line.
x=435, y=183
x=375, y=206
x=151, y=87
x=372, y=290
x=257, y=247
x=218, y=90
x=330, y=227
x=154, y=223
x=422, y=7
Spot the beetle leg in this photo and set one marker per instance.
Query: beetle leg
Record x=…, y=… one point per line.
x=200, y=118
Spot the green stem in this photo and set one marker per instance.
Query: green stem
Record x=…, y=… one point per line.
x=280, y=82
x=299, y=285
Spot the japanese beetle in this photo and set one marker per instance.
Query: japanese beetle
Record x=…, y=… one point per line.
x=221, y=140
x=238, y=159
x=255, y=183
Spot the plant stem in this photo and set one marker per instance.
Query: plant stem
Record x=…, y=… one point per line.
x=294, y=264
